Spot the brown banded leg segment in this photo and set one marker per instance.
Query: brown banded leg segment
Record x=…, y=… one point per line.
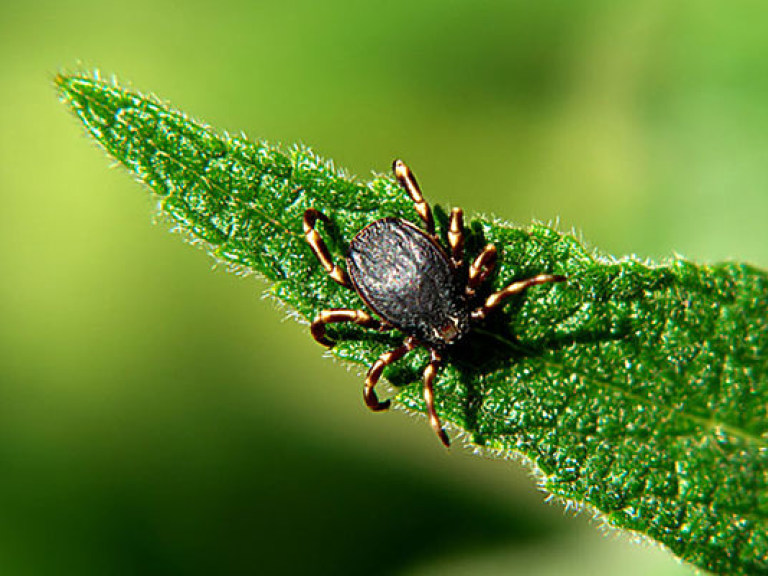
x=481, y=268
x=497, y=298
x=336, y=315
x=429, y=397
x=408, y=181
x=369, y=394
x=456, y=236
x=311, y=216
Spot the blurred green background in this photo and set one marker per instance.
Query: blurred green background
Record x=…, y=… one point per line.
x=159, y=418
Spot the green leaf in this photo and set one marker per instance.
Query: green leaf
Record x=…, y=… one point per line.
x=639, y=391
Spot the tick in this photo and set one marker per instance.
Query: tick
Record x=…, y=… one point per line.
x=413, y=284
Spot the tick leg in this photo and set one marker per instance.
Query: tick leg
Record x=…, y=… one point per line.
x=429, y=396
x=497, y=298
x=481, y=268
x=369, y=394
x=456, y=236
x=311, y=216
x=408, y=181
x=336, y=315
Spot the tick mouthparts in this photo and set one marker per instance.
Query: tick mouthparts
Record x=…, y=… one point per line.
x=449, y=332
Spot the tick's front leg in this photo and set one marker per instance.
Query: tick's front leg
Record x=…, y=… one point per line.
x=369, y=394
x=429, y=397
x=497, y=298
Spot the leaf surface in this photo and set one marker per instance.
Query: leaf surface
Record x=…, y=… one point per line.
x=637, y=390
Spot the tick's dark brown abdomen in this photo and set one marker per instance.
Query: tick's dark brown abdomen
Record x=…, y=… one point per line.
x=408, y=280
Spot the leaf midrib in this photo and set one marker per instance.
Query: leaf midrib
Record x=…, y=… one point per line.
x=706, y=422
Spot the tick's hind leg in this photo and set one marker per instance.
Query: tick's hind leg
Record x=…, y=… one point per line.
x=311, y=216
x=408, y=181
x=429, y=396
x=497, y=298
x=369, y=394
x=336, y=315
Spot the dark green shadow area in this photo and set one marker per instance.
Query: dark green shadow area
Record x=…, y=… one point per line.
x=226, y=491
x=315, y=512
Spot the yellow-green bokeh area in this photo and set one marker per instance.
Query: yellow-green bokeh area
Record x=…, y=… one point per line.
x=160, y=418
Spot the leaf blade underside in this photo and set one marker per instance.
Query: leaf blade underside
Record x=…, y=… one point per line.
x=638, y=390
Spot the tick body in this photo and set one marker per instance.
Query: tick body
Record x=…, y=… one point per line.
x=406, y=278
x=413, y=284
